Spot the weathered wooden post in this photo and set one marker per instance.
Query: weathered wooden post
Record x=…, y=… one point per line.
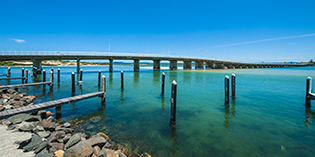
x=51, y=80
x=9, y=72
x=103, y=88
x=308, y=91
x=81, y=73
x=44, y=75
x=122, y=79
x=58, y=112
x=227, y=90
x=26, y=75
x=22, y=72
x=52, y=69
x=173, y=102
x=73, y=83
x=99, y=78
x=233, y=85
x=23, y=75
x=58, y=75
x=163, y=83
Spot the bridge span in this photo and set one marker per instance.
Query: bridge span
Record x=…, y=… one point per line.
x=38, y=56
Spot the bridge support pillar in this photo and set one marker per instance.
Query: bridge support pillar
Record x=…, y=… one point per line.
x=37, y=66
x=209, y=65
x=111, y=65
x=136, y=64
x=156, y=65
x=187, y=65
x=198, y=65
x=78, y=66
x=173, y=64
x=219, y=66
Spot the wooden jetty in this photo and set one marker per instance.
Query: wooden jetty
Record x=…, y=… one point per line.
x=46, y=105
x=3, y=74
x=23, y=85
x=10, y=78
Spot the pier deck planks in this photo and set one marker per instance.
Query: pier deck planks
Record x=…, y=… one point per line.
x=10, y=78
x=47, y=105
x=23, y=85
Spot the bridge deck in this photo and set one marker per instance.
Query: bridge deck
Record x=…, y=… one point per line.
x=47, y=105
x=10, y=78
x=23, y=85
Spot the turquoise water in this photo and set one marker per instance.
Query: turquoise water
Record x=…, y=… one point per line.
x=268, y=110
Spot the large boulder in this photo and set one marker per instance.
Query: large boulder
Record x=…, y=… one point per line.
x=73, y=140
x=97, y=140
x=35, y=141
x=50, y=126
x=23, y=117
x=81, y=149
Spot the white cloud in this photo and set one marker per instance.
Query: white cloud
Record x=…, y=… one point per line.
x=272, y=39
x=19, y=40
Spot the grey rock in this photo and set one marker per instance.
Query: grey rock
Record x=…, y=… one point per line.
x=5, y=100
x=40, y=147
x=73, y=140
x=103, y=153
x=55, y=136
x=23, y=99
x=81, y=149
x=66, y=130
x=44, y=134
x=18, y=118
x=26, y=126
x=38, y=129
x=7, y=107
x=44, y=153
x=35, y=141
x=51, y=119
x=66, y=125
x=97, y=140
x=28, y=101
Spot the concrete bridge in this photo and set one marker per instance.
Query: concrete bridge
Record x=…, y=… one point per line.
x=38, y=56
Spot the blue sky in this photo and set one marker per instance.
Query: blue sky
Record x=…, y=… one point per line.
x=243, y=31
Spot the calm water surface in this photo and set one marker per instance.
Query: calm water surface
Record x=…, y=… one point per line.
x=267, y=113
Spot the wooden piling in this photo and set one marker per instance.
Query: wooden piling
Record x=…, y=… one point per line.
x=73, y=83
x=9, y=72
x=173, y=102
x=308, y=91
x=22, y=72
x=122, y=79
x=163, y=83
x=233, y=85
x=58, y=112
x=58, y=75
x=26, y=75
x=81, y=73
x=22, y=75
x=99, y=78
x=51, y=80
x=44, y=76
x=52, y=69
x=103, y=88
x=227, y=90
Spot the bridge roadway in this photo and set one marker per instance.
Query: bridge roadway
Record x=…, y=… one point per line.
x=38, y=56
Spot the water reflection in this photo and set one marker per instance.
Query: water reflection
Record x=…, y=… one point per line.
x=110, y=78
x=136, y=77
x=156, y=77
x=233, y=107
x=174, y=148
x=309, y=115
x=226, y=118
x=121, y=95
x=162, y=103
